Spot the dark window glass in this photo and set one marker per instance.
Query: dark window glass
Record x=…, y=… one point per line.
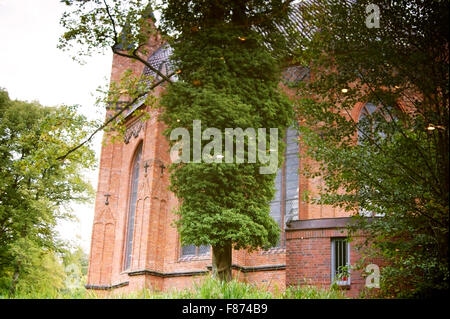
x=291, y=174
x=132, y=207
x=275, y=205
x=370, y=119
x=192, y=250
x=203, y=250
x=365, y=122
x=188, y=250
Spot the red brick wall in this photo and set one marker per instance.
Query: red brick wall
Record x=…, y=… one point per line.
x=308, y=259
x=156, y=244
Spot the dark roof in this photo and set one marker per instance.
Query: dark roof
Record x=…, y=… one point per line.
x=124, y=45
x=160, y=59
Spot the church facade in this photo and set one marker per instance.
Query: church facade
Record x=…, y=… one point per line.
x=135, y=245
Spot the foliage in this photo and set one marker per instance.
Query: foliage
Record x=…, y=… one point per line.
x=228, y=76
x=96, y=25
x=220, y=201
x=124, y=27
x=390, y=163
x=313, y=292
x=205, y=288
x=228, y=79
x=36, y=188
x=75, y=262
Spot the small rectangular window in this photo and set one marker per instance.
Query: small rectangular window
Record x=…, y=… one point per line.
x=193, y=251
x=340, y=261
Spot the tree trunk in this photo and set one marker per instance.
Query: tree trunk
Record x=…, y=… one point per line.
x=221, y=262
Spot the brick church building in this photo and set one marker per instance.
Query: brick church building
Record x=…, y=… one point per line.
x=134, y=244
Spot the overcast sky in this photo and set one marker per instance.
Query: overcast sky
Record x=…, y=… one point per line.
x=32, y=68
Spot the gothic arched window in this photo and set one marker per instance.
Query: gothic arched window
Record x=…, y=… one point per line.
x=284, y=206
x=132, y=206
x=366, y=123
x=370, y=117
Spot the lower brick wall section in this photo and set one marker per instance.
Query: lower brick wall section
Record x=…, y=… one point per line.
x=308, y=258
x=305, y=260
x=269, y=276
x=271, y=280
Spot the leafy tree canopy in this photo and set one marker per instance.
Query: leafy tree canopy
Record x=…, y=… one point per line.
x=36, y=187
x=393, y=162
x=227, y=55
x=229, y=79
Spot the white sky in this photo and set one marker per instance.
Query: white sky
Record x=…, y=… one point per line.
x=32, y=68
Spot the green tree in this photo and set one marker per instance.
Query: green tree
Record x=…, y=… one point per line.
x=229, y=79
x=36, y=187
x=228, y=75
x=394, y=162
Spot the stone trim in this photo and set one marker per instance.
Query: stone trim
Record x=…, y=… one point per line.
x=246, y=269
x=320, y=223
x=133, y=130
x=243, y=269
x=167, y=274
x=107, y=287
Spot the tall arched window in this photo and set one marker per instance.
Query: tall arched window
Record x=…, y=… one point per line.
x=370, y=117
x=285, y=203
x=132, y=206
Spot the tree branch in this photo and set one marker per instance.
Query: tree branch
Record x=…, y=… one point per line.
x=63, y=157
x=134, y=55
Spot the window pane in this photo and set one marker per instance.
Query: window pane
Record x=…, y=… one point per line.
x=192, y=250
x=188, y=250
x=291, y=179
x=291, y=208
x=132, y=208
x=278, y=186
x=368, y=109
x=275, y=205
x=203, y=250
x=275, y=212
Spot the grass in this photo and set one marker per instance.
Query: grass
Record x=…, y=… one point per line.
x=207, y=288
